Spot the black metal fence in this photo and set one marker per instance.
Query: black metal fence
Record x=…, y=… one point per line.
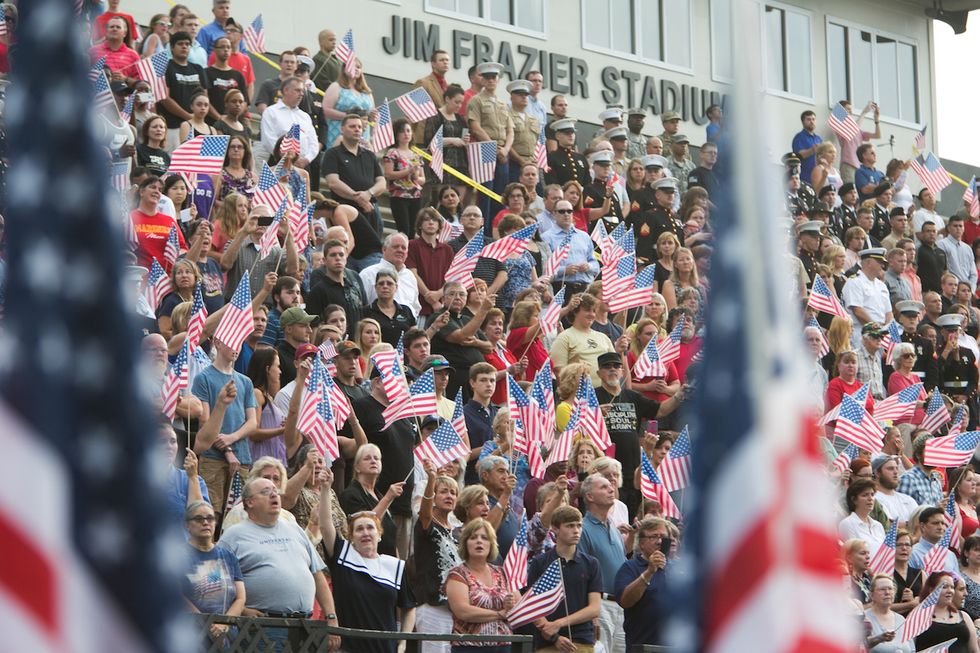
x=262, y=634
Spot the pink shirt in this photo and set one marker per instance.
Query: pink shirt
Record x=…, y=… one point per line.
x=848, y=149
x=122, y=60
x=914, y=282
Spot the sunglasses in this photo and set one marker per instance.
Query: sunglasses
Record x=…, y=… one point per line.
x=564, y=211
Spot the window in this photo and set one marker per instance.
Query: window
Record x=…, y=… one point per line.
x=789, y=66
x=524, y=15
x=653, y=30
x=865, y=64
x=721, y=40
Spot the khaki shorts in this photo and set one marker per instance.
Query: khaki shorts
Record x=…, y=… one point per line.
x=215, y=475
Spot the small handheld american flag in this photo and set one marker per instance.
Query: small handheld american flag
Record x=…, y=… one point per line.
x=844, y=458
x=548, y=320
x=541, y=415
x=590, y=416
x=970, y=198
x=236, y=323
x=171, y=250
x=202, y=154
x=857, y=426
x=435, y=148
x=153, y=70
x=823, y=299
x=461, y=269
x=899, y=405
x=541, y=153
x=482, y=159
x=675, y=469
x=670, y=347
x=951, y=450
x=541, y=600
x=382, y=136
x=442, y=447
x=558, y=257
x=883, y=561
x=936, y=413
x=841, y=123
x=931, y=172
x=254, y=36
x=921, y=617
x=919, y=142
x=652, y=488
x=515, y=564
x=290, y=141
x=157, y=285
x=103, y=95
x=416, y=105
x=269, y=191
x=345, y=52
x=636, y=294
x=195, y=324
x=514, y=243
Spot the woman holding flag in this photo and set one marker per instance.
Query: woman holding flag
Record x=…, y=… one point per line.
x=477, y=590
x=947, y=621
x=885, y=623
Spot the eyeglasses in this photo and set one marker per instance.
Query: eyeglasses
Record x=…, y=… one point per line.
x=564, y=211
x=655, y=536
x=203, y=519
x=907, y=356
x=269, y=491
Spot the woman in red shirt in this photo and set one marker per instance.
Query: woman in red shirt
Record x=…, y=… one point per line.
x=656, y=388
x=966, y=484
x=845, y=382
x=501, y=359
x=903, y=359
x=524, y=337
x=152, y=227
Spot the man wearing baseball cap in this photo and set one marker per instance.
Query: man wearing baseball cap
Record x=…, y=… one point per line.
x=297, y=329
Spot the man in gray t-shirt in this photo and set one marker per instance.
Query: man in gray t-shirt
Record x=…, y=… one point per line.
x=282, y=570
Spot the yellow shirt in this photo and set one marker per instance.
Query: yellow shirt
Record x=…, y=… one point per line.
x=574, y=346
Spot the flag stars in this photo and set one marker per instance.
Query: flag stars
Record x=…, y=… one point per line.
x=85, y=282
x=23, y=182
x=54, y=349
x=98, y=452
x=61, y=114
x=92, y=366
x=42, y=267
x=43, y=17
x=107, y=538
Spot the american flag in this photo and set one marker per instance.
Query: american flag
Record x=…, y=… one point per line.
x=157, y=285
x=127, y=110
x=940, y=648
x=675, y=469
x=899, y=405
x=171, y=250
x=535, y=462
x=936, y=413
x=857, y=426
x=435, y=148
x=195, y=323
x=652, y=488
x=442, y=447
x=823, y=299
x=416, y=105
x=883, y=561
x=236, y=323
x=299, y=219
x=919, y=142
x=951, y=450
x=541, y=153
x=515, y=564
x=558, y=257
x=270, y=238
x=234, y=491
x=612, y=247
x=310, y=420
x=931, y=172
x=519, y=407
x=562, y=448
x=954, y=520
x=860, y=395
x=599, y=235
x=635, y=294
x=98, y=68
x=935, y=558
x=461, y=269
x=339, y=403
x=590, y=415
x=893, y=336
x=548, y=320
x=971, y=199
x=842, y=124
x=956, y=424
x=617, y=276
x=750, y=411
x=420, y=402
x=119, y=176
x=541, y=600
x=843, y=460
x=153, y=70
x=254, y=36
x=824, y=343
x=670, y=347
x=326, y=440
x=449, y=231
x=174, y=382
x=514, y=243
x=290, y=141
x=459, y=420
x=920, y=618
x=482, y=158
x=345, y=52
x=103, y=94
x=87, y=536
x=268, y=191
x=382, y=136
x=3, y=23
x=650, y=362
x=202, y=155
x=400, y=347
x=392, y=376
x=541, y=415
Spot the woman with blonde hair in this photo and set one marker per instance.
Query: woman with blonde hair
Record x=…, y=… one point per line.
x=348, y=95
x=361, y=496
x=477, y=589
x=666, y=248
x=473, y=503
x=367, y=334
x=854, y=241
x=524, y=336
x=656, y=388
x=568, y=380
x=839, y=339
x=824, y=173
x=184, y=277
x=231, y=215
x=684, y=275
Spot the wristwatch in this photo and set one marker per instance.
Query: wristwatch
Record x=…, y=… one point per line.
x=330, y=617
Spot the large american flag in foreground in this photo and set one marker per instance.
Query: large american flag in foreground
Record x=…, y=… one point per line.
x=763, y=571
x=88, y=562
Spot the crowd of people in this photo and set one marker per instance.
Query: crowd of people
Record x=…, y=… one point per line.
x=378, y=540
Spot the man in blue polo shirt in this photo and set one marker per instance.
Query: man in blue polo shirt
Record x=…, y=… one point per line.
x=216, y=29
x=571, y=622
x=867, y=178
x=603, y=541
x=805, y=144
x=641, y=585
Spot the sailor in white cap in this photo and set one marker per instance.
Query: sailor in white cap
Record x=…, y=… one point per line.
x=957, y=359
x=865, y=295
x=488, y=119
x=526, y=127
x=611, y=117
x=600, y=196
x=565, y=163
x=637, y=141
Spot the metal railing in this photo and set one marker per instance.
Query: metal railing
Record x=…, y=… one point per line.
x=252, y=635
